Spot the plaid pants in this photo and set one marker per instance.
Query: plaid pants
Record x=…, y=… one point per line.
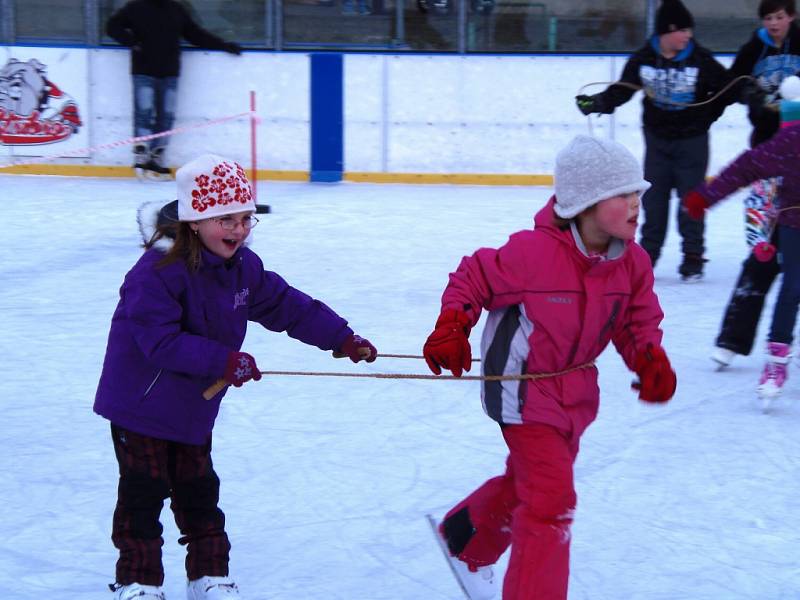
x=150, y=471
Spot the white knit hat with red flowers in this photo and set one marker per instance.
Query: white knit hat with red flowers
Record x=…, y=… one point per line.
x=212, y=186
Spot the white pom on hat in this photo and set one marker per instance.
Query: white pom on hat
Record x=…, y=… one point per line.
x=790, y=88
x=212, y=186
x=589, y=170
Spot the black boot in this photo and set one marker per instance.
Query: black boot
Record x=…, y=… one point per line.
x=141, y=155
x=691, y=268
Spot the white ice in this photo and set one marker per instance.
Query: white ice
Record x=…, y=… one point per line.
x=325, y=481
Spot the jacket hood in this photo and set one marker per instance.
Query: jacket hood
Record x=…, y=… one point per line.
x=147, y=218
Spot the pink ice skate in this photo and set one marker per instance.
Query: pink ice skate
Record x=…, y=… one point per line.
x=775, y=372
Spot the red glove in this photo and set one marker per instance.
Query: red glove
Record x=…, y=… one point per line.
x=695, y=204
x=448, y=345
x=357, y=348
x=241, y=367
x=657, y=380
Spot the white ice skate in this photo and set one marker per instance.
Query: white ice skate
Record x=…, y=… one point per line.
x=137, y=591
x=478, y=585
x=212, y=588
x=722, y=357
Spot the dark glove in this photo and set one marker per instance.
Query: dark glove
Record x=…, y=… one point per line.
x=448, y=345
x=232, y=48
x=695, y=204
x=357, y=348
x=756, y=100
x=241, y=368
x=586, y=104
x=657, y=380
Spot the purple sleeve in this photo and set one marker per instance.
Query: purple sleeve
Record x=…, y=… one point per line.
x=770, y=159
x=279, y=307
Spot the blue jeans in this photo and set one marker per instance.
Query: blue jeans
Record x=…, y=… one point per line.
x=784, y=315
x=154, y=106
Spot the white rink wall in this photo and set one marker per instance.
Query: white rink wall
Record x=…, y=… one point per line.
x=402, y=113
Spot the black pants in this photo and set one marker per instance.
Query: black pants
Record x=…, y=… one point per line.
x=747, y=301
x=672, y=164
x=151, y=470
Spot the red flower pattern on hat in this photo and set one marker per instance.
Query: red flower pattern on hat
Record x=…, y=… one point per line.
x=227, y=184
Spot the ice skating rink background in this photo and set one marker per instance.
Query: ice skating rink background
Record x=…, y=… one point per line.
x=325, y=482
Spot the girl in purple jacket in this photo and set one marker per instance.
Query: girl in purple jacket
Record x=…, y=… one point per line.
x=777, y=157
x=178, y=328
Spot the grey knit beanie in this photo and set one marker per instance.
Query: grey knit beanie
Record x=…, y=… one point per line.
x=589, y=170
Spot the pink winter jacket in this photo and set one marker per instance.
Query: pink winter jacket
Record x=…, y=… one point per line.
x=554, y=308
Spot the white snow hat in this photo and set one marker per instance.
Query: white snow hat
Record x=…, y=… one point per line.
x=212, y=186
x=790, y=88
x=589, y=170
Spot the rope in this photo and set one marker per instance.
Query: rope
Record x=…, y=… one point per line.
x=651, y=95
x=80, y=152
x=412, y=356
x=525, y=376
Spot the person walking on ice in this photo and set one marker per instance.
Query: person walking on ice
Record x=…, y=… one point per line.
x=678, y=76
x=777, y=157
x=557, y=295
x=179, y=327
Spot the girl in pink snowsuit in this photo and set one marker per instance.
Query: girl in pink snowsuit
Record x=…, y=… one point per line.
x=557, y=295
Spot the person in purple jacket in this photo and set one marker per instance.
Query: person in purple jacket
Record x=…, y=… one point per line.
x=178, y=328
x=777, y=157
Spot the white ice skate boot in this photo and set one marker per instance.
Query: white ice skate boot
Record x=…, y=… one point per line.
x=137, y=591
x=481, y=584
x=775, y=373
x=212, y=588
x=722, y=356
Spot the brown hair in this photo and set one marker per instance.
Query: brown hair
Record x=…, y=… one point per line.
x=561, y=223
x=186, y=247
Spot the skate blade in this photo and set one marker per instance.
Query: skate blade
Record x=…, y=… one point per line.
x=446, y=553
x=147, y=175
x=691, y=278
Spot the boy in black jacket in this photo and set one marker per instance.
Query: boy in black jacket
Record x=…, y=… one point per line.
x=673, y=71
x=153, y=29
x=771, y=55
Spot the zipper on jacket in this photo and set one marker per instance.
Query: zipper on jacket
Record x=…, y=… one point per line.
x=150, y=387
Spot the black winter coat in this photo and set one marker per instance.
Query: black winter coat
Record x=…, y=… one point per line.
x=153, y=30
x=770, y=65
x=692, y=76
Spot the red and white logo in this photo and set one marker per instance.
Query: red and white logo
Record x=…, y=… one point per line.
x=33, y=110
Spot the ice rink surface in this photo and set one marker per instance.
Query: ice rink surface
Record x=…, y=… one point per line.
x=325, y=482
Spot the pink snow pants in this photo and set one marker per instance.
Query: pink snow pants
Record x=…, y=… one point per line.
x=529, y=507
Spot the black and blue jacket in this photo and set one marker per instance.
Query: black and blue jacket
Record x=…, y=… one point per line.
x=770, y=65
x=692, y=76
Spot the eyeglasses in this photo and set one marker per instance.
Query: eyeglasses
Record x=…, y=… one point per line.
x=229, y=223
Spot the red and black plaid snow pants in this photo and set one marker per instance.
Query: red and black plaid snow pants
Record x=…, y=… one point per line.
x=151, y=470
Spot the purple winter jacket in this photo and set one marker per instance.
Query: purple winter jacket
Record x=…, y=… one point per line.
x=777, y=157
x=173, y=329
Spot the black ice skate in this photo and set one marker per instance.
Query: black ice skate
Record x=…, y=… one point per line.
x=691, y=268
x=153, y=169
x=141, y=155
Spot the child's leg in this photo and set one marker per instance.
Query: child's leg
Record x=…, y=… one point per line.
x=478, y=529
x=655, y=201
x=542, y=460
x=195, y=495
x=143, y=486
x=784, y=316
x=690, y=162
x=741, y=318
